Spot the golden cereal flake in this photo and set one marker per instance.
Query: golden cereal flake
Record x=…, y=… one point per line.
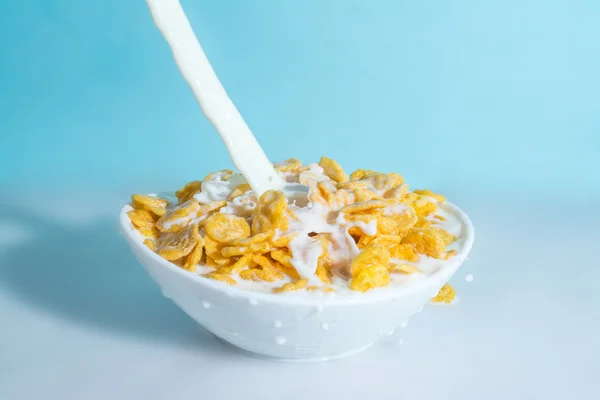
x=253, y=240
x=288, y=270
x=361, y=196
x=404, y=252
x=360, y=174
x=426, y=192
x=353, y=185
x=292, y=286
x=327, y=289
x=258, y=248
x=212, y=247
x=423, y=223
x=283, y=256
x=446, y=295
x=241, y=263
x=226, y=227
x=153, y=204
x=289, y=165
x=448, y=238
x=404, y=268
x=150, y=244
x=426, y=241
x=387, y=226
x=220, y=277
x=219, y=262
x=424, y=207
x=387, y=240
x=195, y=256
x=373, y=254
x=239, y=190
x=211, y=207
x=363, y=207
x=249, y=275
x=333, y=170
x=188, y=191
x=142, y=218
x=449, y=254
x=268, y=271
x=180, y=244
x=223, y=175
x=397, y=192
x=283, y=240
x=373, y=276
x=179, y=217
x=269, y=213
x=382, y=181
x=152, y=232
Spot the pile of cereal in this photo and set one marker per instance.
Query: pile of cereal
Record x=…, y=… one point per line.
x=325, y=230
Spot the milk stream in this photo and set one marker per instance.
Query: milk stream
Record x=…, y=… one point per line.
x=244, y=150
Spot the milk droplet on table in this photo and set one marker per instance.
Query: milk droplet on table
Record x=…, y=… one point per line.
x=280, y=340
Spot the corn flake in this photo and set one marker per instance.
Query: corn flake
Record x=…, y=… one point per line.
x=142, y=218
x=180, y=244
x=220, y=277
x=404, y=252
x=446, y=295
x=153, y=204
x=404, y=268
x=195, y=256
x=226, y=227
x=188, y=191
x=150, y=244
x=180, y=217
x=426, y=241
x=333, y=170
x=269, y=212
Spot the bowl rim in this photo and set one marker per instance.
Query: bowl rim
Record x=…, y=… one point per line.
x=330, y=299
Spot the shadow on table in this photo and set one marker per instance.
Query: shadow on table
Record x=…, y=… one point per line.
x=87, y=274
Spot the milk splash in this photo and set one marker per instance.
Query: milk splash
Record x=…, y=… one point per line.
x=244, y=150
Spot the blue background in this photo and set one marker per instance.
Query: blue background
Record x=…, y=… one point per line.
x=488, y=96
x=494, y=103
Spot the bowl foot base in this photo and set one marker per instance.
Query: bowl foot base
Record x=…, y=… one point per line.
x=296, y=360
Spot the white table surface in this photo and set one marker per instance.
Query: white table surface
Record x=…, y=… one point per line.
x=82, y=320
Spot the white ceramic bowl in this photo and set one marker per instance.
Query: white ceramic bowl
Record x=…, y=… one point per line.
x=294, y=328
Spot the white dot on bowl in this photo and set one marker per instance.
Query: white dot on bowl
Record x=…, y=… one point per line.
x=325, y=326
x=401, y=342
x=277, y=324
x=469, y=278
x=280, y=340
x=205, y=304
x=404, y=323
x=252, y=301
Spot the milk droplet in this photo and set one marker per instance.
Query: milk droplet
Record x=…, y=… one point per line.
x=280, y=340
x=325, y=326
x=252, y=301
x=388, y=333
x=165, y=294
x=277, y=324
x=404, y=323
x=469, y=278
x=205, y=304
